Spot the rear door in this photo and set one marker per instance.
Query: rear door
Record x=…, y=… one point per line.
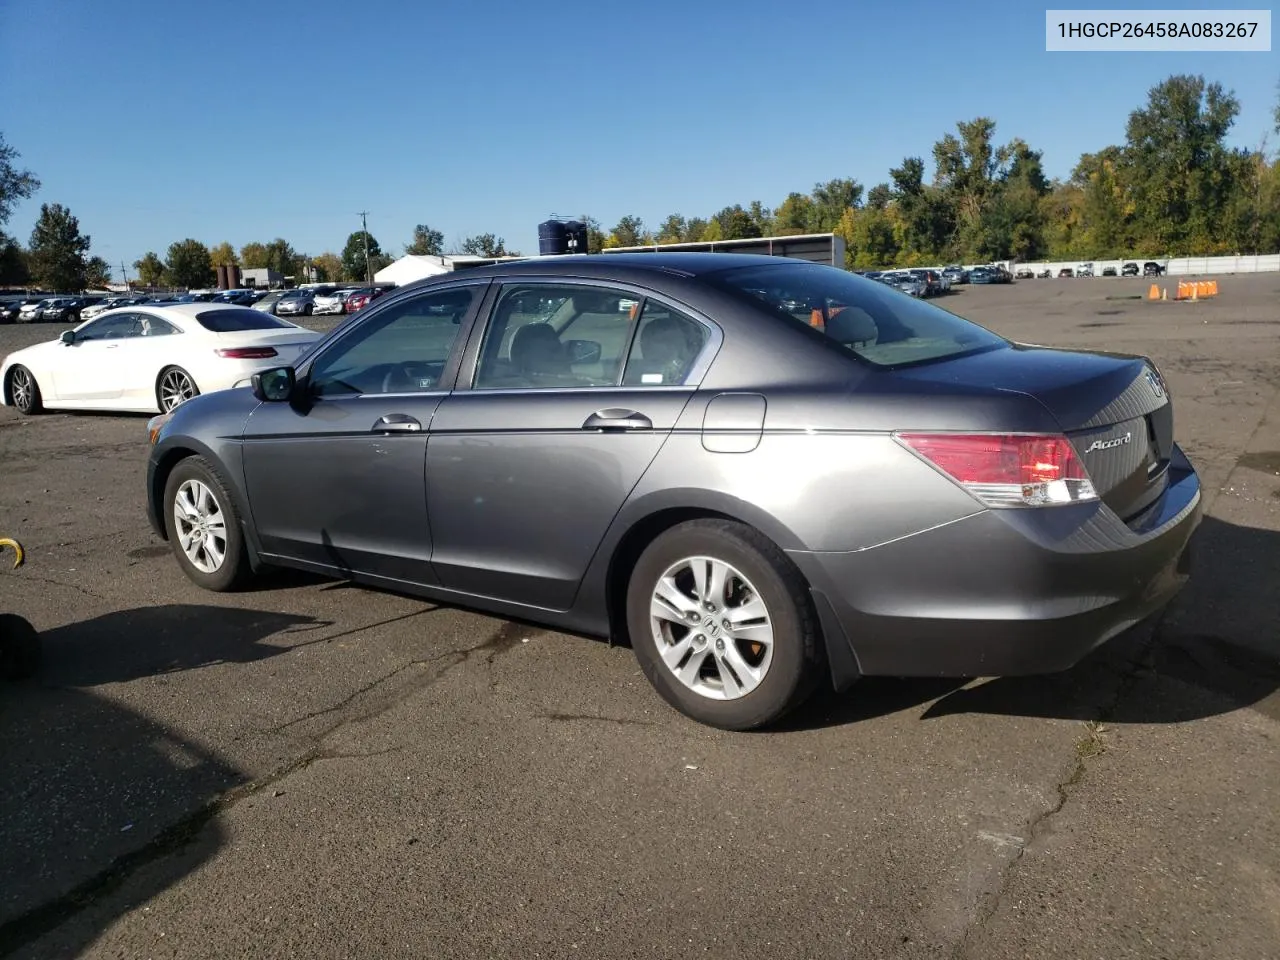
x=338, y=480
x=570, y=391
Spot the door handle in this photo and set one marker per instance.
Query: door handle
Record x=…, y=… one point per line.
x=396, y=423
x=616, y=418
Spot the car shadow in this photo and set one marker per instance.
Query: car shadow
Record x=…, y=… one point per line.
x=152, y=641
x=95, y=793
x=1221, y=635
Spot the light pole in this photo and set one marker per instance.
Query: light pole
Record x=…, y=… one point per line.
x=364, y=232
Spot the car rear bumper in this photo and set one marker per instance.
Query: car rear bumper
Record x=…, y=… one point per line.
x=1004, y=592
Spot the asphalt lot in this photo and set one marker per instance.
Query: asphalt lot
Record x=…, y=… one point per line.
x=321, y=770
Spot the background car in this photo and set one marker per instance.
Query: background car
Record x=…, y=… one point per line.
x=148, y=359
x=329, y=303
x=267, y=302
x=509, y=439
x=1129, y=270
x=295, y=303
x=1152, y=269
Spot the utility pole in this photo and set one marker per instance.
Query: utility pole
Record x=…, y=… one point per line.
x=124, y=275
x=364, y=230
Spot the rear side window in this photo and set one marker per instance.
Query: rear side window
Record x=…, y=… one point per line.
x=878, y=324
x=231, y=321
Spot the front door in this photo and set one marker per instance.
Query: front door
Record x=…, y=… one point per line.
x=338, y=479
x=576, y=389
x=93, y=366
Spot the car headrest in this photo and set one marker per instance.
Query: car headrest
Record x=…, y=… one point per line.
x=852, y=325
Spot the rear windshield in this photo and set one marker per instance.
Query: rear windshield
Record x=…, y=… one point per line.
x=877, y=323
x=229, y=321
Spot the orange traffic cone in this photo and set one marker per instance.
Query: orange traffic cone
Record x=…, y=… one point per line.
x=1213, y=288
x=1153, y=293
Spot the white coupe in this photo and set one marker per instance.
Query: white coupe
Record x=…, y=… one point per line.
x=149, y=358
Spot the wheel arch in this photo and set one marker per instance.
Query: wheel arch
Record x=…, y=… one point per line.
x=155, y=382
x=640, y=529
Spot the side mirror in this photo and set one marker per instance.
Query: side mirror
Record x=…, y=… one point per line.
x=68, y=337
x=275, y=385
x=583, y=351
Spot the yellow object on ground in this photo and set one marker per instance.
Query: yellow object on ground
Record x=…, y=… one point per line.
x=19, y=554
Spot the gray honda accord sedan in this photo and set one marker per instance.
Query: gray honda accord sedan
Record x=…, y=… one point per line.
x=764, y=474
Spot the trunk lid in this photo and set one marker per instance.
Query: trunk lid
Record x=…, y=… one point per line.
x=289, y=344
x=1114, y=408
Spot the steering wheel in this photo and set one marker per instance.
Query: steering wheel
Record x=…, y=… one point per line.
x=407, y=377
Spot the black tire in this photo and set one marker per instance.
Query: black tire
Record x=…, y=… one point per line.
x=794, y=669
x=32, y=405
x=19, y=648
x=161, y=386
x=234, y=570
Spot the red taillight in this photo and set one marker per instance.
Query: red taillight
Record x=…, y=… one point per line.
x=247, y=353
x=1008, y=469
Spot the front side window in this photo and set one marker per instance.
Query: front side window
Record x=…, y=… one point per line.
x=402, y=349
x=116, y=327
x=876, y=323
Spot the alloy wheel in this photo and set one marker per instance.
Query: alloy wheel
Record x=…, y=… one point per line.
x=24, y=389
x=200, y=525
x=712, y=628
x=175, y=388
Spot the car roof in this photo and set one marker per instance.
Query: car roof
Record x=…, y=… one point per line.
x=606, y=264
x=181, y=312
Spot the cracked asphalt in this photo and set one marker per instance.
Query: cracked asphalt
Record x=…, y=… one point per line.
x=313, y=769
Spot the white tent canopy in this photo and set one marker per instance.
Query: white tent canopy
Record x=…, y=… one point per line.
x=413, y=267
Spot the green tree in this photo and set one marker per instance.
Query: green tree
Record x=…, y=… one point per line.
x=58, y=250
x=150, y=269
x=628, y=232
x=359, y=262
x=879, y=196
x=485, y=245
x=736, y=223
x=762, y=217
x=188, y=264
x=1176, y=163
x=281, y=257
x=694, y=228
x=14, y=268
x=672, y=229
x=795, y=215
x=830, y=201
x=426, y=242
x=97, y=273
x=15, y=184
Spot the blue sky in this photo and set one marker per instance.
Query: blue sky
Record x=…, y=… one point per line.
x=155, y=120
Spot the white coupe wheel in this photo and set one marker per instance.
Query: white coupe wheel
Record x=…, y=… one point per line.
x=24, y=392
x=176, y=387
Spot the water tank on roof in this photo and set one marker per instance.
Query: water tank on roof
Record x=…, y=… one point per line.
x=575, y=237
x=551, y=238
x=222, y=277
